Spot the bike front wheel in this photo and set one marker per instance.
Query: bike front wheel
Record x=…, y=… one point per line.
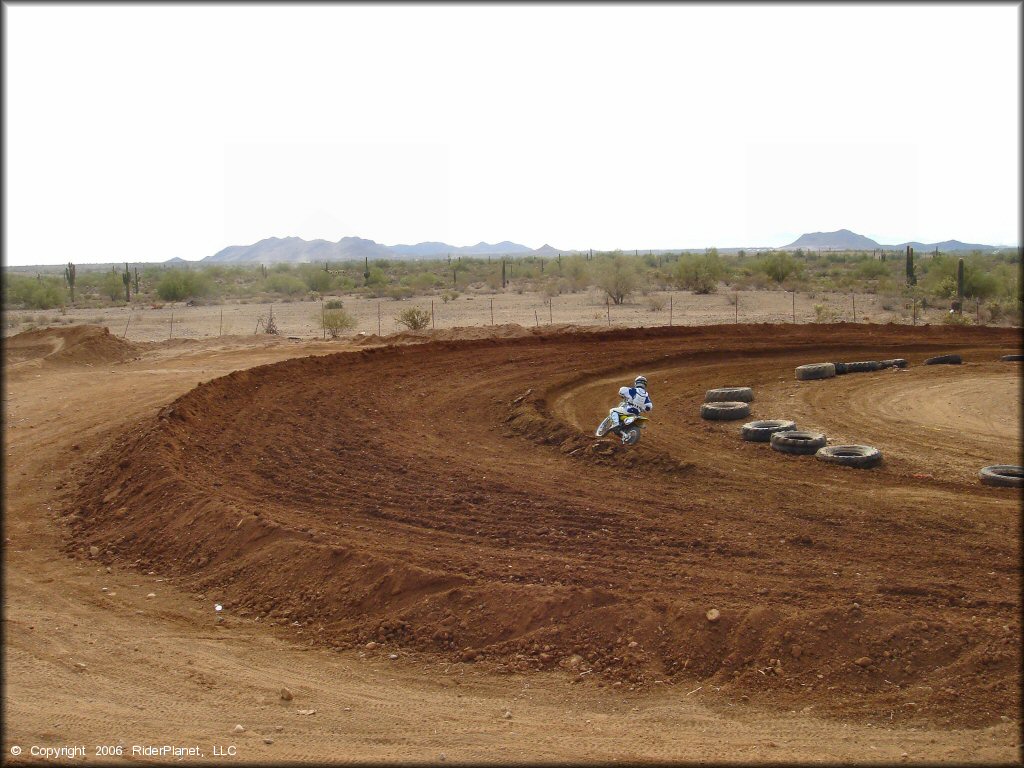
x=603, y=427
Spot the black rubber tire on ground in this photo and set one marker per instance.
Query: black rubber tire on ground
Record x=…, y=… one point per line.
x=815, y=371
x=840, y=368
x=1003, y=476
x=1011, y=358
x=729, y=395
x=798, y=442
x=897, y=362
x=863, y=366
x=860, y=456
x=761, y=431
x=725, y=411
x=944, y=360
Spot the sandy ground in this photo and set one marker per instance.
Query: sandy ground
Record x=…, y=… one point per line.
x=146, y=322
x=436, y=538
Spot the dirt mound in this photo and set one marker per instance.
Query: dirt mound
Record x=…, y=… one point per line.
x=76, y=345
x=464, y=333
x=475, y=521
x=472, y=332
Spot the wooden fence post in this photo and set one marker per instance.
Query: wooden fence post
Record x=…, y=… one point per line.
x=171, y=333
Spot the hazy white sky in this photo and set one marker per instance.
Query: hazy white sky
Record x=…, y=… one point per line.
x=144, y=132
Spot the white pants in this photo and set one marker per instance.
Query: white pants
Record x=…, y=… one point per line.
x=617, y=414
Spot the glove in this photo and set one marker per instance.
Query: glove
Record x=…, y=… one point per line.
x=634, y=410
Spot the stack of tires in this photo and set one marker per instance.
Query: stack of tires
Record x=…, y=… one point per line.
x=727, y=403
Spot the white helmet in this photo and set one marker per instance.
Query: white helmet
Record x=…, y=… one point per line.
x=640, y=381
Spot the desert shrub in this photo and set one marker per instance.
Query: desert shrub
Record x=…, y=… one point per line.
x=337, y=321
x=284, y=284
x=884, y=284
x=551, y=288
x=449, y=296
x=955, y=318
x=34, y=293
x=981, y=279
x=777, y=266
x=493, y=280
x=576, y=272
x=316, y=279
x=111, y=286
x=424, y=281
x=334, y=304
x=700, y=272
x=617, y=277
x=825, y=314
x=377, y=277
x=1003, y=310
x=944, y=287
x=980, y=285
x=656, y=302
x=179, y=284
x=751, y=279
x=871, y=268
x=413, y=318
x=398, y=292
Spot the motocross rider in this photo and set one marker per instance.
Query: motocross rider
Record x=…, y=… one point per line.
x=634, y=401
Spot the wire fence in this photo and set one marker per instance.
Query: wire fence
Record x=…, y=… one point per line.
x=304, y=319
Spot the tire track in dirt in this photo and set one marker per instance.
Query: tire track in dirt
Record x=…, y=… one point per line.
x=456, y=514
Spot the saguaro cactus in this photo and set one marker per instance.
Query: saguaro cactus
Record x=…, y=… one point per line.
x=503, y=280
x=136, y=281
x=911, y=277
x=366, y=270
x=69, y=277
x=126, y=278
x=960, y=284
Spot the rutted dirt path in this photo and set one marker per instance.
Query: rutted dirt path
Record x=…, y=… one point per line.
x=467, y=547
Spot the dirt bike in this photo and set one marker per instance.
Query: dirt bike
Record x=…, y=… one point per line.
x=628, y=429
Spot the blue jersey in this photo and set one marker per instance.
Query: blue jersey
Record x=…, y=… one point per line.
x=636, y=400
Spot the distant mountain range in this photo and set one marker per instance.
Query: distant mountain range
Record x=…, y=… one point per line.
x=844, y=239
x=296, y=250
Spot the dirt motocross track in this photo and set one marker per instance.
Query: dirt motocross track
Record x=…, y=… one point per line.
x=448, y=499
